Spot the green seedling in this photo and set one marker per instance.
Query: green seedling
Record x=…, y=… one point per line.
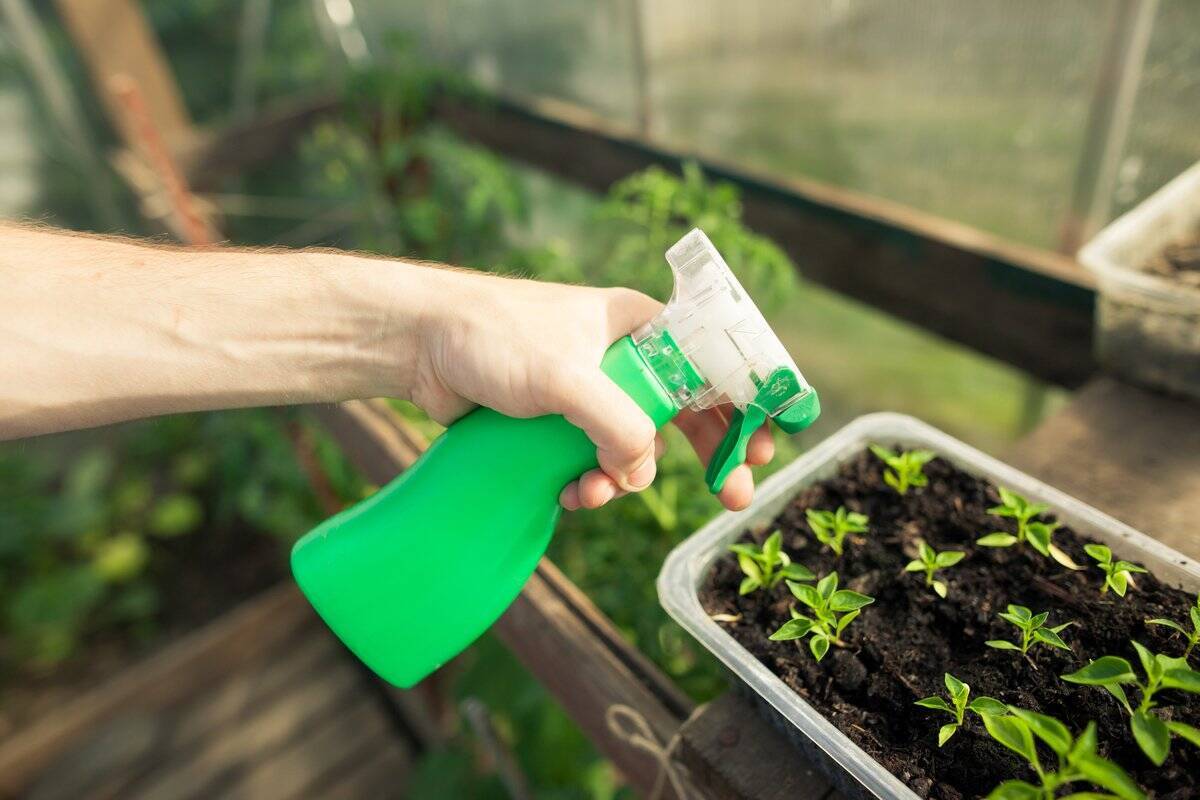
x=764, y=568
x=1151, y=732
x=1078, y=761
x=904, y=468
x=1033, y=631
x=1192, y=637
x=931, y=561
x=1116, y=573
x=1039, y=535
x=831, y=527
x=958, y=705
x=831, y=610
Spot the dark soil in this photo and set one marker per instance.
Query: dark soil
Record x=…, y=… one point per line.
x=902, y=644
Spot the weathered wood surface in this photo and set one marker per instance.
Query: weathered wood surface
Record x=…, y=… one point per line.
x=734, y=753
x=261, y=703
x=1130, y=452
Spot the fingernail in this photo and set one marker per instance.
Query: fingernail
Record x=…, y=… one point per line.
x=643, y=474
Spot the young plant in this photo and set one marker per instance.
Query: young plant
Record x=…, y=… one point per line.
x=1151, y=732
x=764, y=568
x=958, y=705
x=1116, y=573
x=831, y=610
x=831, y=527
x=931, y=561
x=1033, y=630
x=1077, y=759
x=1038, y=534
x=1191, y=637
x=904, y=468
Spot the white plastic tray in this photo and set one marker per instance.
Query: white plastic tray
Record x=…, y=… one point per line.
x=688, y=565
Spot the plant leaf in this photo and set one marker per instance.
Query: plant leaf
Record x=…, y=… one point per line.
x=997, y=539
x=819, y=646
x=1127, y=566
x=956, y=687
x=1048, y=729
x=798, y=572
x=792, y=629
x=1168, y=623
x=987, y=705
x=827, y=585
x=846, y=600
x=772, y=546
x=744, y=549
x=1062, y=558
x=1085, y=745
x=1102, y=671
x=1152, y=735
x=1187, y=680
x=1103, y=772
x=1150, y=666
x=748, y=585
x=1039, y=620
x=1185, y=731
x=1099, y=552
x=946, y=732
x=1119, y=581
x=936, y=703
x=928, y=554
x=750, y=567
x=949, y=558
x=1038, y=536
x=1116, y=691
x=1000, y=644
x=914, y=566
x=1013, y=734
x=1050, y=637
x=939, y=587
x=805, y=594
x=845, y=620
x=1015, y=790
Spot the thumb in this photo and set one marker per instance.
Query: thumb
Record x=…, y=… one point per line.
x=621, y=431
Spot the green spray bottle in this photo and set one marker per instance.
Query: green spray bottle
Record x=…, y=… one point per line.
x=380, y=573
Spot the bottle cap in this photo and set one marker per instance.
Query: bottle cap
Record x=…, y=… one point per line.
x=711, y=345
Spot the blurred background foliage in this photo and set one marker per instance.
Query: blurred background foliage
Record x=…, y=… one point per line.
x=113, y=540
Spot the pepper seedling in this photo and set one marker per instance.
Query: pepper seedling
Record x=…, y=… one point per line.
x=831, y=527
x=958, y=705
x=904, y=468
x=1116, y=573
x=1151, y=732
x=1078, y=761
x=764, y=568
x=825, y=602
x=930, y=561
x=1033, y=630
x=1038, y=534
x=1191, y=637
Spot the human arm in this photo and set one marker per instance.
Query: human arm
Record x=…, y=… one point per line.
x=96, y=330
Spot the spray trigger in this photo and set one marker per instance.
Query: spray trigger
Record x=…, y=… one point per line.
x=782, y=397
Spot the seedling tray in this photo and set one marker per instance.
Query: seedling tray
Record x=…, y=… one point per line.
x=686, y=568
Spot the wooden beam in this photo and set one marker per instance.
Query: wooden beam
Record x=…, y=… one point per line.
x=114, y=38
x=1128, y=451
x=1028, y=307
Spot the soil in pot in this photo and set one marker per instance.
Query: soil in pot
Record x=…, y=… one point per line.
x=900, y=647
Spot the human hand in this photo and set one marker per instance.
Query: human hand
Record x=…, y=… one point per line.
x=528, y=348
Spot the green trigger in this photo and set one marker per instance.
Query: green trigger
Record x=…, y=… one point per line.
x=781, y=397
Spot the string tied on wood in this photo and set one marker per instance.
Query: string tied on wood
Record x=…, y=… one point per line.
x=628, y=725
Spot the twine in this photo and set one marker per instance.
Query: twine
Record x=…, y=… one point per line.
x=628, y=725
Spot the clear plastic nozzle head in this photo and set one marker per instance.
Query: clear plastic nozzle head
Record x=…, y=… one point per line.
x=711, y=345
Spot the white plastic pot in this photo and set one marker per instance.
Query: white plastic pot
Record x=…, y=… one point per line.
x=853, y=771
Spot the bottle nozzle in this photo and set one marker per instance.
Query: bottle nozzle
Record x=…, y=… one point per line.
x=711, y=345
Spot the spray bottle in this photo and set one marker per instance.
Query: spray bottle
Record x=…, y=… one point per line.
x=381, y=573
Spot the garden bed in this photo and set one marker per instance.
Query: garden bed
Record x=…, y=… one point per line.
x=898, y=649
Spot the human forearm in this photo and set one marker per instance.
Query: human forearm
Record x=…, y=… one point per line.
x=98, y=330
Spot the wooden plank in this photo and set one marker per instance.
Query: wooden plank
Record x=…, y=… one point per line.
x=1130, y=452
x=947, y=277
x=242, y=637
x=114, y=38
x=737, y=755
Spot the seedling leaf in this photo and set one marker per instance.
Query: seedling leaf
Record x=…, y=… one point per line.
x=946, y=732
x=846, y=600
x=1103, y=671
x=765, y=567
x=988, y=705
x=997, y=539
x=1015, y=790
x=1152, y=735
x=1186, y=679
x=1048, y=729
x=930, y=561
x=1185, y=731
x=792, y=629
x=936, y=703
